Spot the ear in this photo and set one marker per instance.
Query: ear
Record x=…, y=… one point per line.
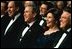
x=17, y=9
x=35, y=14
x=70, y=20
x=56, y=22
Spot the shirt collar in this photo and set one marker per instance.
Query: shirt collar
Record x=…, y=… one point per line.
x=14, y=18
x=69, y=29
x=2, y=16
x=30, y=24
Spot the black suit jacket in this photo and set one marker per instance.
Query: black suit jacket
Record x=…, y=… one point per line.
x=9, y=40
x=67, y=41
x=4, y=22
x=30, y=36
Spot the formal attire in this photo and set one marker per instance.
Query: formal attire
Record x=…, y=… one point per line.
x=4, y=22
x=2, y=16
x=42, y=21
x=67, y=41
x=12, y=31
x=30, y=34
x=48, y=41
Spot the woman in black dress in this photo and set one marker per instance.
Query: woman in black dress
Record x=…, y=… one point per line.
x=50, y=38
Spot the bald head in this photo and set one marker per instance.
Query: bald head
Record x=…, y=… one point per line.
x=12, y=8
x=11, y=3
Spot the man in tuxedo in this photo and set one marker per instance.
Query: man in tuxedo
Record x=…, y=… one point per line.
x=14, y=26
x=65, y=25
x=4, y=16
x=43, y=13
x=32, y=31
x=3, y=8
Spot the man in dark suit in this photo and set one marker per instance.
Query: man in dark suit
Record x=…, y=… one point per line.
x=44, y=7
x=32, y=31
x=3, y=16
x=65, y=25
x=14, y=26
x=3, y=8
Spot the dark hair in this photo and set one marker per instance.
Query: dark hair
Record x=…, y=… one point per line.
x=19, y=5
x=16, y=3
x=48, y=4
x=56, y=13
x=34, y=10
x=68, y=9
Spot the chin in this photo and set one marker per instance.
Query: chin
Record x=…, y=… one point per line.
x=61, y=26
x=48, y=25
x=25, y=20
x=10, y=15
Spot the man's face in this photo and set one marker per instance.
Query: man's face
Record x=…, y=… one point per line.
x=65, y=19
x=28, y=14
x=60, y=4
x=43, y=9
x=3, y=7
x=11, y=8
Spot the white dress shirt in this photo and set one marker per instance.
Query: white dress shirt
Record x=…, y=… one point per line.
x=2, y=16
x=26, y=29
x=42, y=21
x=11, y=22
x=62, y=38
x=69, y=29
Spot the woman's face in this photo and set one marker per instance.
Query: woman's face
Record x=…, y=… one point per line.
x=50, y=20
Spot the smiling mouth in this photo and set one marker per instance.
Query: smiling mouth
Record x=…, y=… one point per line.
x=9, y=12
x=61, y=22
x=26, y=17
x=48, y=22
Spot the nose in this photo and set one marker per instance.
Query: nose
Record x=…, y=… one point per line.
x=24, y=13
x=8, y=9
x=46, y=19
x=60, y=19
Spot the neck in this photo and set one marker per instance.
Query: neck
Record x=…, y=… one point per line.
x=30, y=21
x=53, y=27
x=51, y=30
x=14, y=14
x=65, y=28
x=2, y=13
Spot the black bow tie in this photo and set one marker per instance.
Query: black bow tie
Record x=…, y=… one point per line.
x=28, y=25
x=12, y=18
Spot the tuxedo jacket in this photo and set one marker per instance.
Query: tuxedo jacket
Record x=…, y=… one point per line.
x=4, y=22
x=67, y=41
x=9, y=40
x=31, y=35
